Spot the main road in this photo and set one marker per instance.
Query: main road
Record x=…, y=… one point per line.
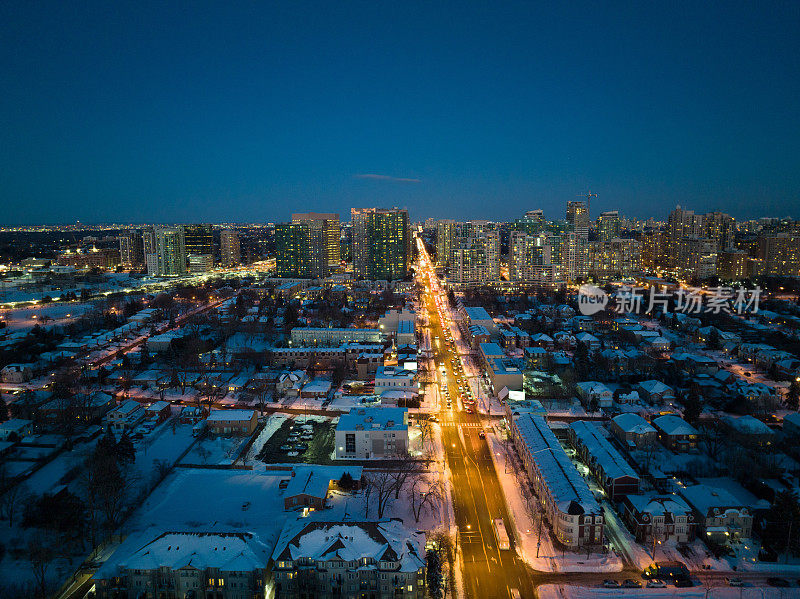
x=487, y=571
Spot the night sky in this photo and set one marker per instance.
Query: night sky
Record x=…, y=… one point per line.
x=192, y=111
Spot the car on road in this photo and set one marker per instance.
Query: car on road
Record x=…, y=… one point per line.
x=482, y=434
x=735, y=582
x=683, y=583
x=630, y=583
x=775, y=581
x=610, y=583
x=656, y=583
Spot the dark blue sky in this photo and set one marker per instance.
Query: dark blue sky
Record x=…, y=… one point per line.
x=187, y=111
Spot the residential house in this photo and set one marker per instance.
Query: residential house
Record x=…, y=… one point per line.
x=125, y=416
x=17, y=373
x=656, y=392
x=15, y=429
x=659, y=518
x=158, y=411
x=236, y=422
x=309, y=485
x=222, y=565
x=633, y=431
x=721, y=517
x=675, y=433
x=609, y=467
x=593, y=390
x=376, y=559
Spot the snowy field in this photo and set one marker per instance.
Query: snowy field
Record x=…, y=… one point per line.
x=23, y=319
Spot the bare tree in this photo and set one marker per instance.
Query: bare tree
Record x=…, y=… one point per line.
x=427, y=494
x=40, y=555
x=404, y=470
x=381, y=485
x=425, y=431
x=12, y=501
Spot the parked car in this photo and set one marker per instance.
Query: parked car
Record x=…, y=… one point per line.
x=656, y=583
x=683, y=582
x=482, y=435
x=610, y=583
x=735, y=582
x=776, y=581
x=630, y=583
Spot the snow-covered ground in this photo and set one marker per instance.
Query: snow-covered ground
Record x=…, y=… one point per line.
x=48, y=315
x=552, y=591
x=217, y=451
x=526, y=526
x=272, y=425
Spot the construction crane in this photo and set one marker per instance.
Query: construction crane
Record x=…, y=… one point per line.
x=588, y=195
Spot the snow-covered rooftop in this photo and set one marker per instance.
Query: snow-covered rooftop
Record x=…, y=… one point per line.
x=230, y=415
x=373, y=418
x=633, y=423
x=566, y=485
x=350, y=541
x=610, y=460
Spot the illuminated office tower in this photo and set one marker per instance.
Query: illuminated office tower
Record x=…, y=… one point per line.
x=445, y=238
x=381, y=243
x=721, y=229
x=301, y=250
x=170, y=251
x=131, y=249
x=230, y=248
x=608, y=225
x=332, y=233
x=613, y=259
x=199, y=239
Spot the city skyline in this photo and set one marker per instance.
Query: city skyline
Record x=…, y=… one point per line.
x=128, y=114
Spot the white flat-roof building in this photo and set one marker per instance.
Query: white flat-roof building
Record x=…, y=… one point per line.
x=391, y=378
x=372, y=433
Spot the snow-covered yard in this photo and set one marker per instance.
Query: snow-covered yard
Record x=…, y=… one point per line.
x=217, y=451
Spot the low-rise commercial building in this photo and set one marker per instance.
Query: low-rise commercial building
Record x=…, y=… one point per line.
x=328, y=337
